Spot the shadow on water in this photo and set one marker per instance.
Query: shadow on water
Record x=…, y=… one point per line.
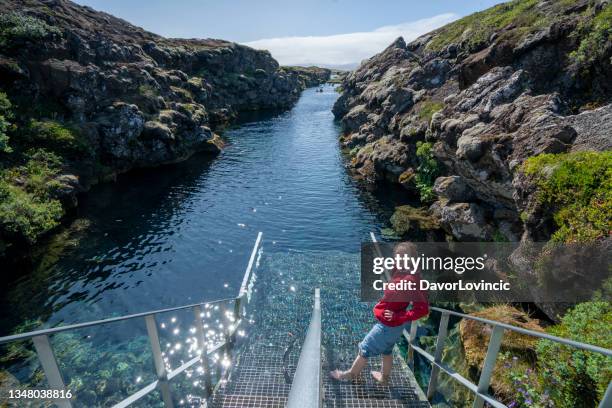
x=110, y=216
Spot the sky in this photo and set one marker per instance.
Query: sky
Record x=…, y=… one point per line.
x=337, y=33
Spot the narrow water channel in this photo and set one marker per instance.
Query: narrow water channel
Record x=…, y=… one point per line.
x=179, y=234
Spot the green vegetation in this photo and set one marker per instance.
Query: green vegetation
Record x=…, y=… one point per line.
x=428, y=109
x=16, y=27
x=427, y=171
x=579, y=378
x=28, y=206
x=533, y=372
x=33, y=153
x=477, y=28
x=5, y=115
x=577, y=187
x=596, y=34
x=54, y=136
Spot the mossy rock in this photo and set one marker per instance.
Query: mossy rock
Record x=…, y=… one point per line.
x=217, y=142
x=577, y=189
x=406, y=217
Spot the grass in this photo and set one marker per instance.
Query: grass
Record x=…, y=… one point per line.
x=577, y=188
x=477, y=28
x=595, y=34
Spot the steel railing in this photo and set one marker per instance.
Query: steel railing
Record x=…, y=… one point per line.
x=307, y=382
x=44, y=350
x=480, y=390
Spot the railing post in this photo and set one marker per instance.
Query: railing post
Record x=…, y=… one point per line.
x=411, y=339
x=226, y=331
x=197, y=311
x=433, y=379
x=488, y=365
x=607, y=398
x=160, y=368
x=50, y=367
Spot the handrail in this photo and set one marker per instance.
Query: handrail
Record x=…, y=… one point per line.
x=59, y=329
x=481, y=389
x=44, y=350
x=306, y=387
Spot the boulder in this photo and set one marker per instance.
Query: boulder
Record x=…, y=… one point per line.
x=464, y=221
x=453, y=188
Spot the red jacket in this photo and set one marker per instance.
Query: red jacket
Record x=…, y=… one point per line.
x=398, y=301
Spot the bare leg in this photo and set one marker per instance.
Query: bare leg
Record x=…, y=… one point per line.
x=383, y=377
x=358, y=366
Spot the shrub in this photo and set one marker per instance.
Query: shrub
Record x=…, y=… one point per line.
x=5, y=115
x=28, y=207
x=579, y=378
x=15, y=27
x=577, y=187
x=427, y=171
x=55, y=136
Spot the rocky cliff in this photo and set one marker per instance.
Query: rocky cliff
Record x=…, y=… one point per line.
x=85, y=96
x=454, y=115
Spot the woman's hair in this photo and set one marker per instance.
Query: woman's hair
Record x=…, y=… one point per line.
x=405, y=248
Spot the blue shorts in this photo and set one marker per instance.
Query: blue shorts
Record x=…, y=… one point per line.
x=380, y=340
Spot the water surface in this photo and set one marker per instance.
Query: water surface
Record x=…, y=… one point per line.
x=179, y=234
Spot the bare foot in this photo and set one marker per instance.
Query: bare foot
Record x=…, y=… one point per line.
x=341, y=375
x=380, y=378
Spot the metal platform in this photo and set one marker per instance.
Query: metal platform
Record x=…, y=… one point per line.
x=263, y=372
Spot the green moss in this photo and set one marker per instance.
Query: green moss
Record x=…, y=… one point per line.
x=577, y=187
x=595, y=34
x=428, y=108
x=28, y=207
x=580, y=377
x=16, y=27
x=477, y=28
x=406, y=217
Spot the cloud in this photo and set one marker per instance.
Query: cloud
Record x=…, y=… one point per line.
x=344, y=50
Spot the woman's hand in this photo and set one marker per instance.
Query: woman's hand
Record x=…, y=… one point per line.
x=388, y=315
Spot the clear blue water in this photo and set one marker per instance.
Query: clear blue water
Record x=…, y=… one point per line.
x=182, y=233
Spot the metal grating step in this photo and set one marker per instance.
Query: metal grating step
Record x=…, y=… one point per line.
x=374, y=403
x=245, y=401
